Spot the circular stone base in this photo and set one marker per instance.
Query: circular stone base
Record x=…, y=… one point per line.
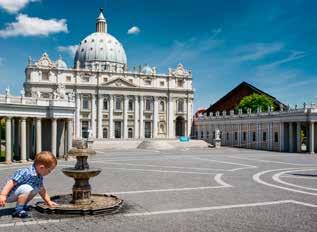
x=101, y=203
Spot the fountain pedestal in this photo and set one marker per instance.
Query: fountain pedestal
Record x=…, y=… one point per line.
x=82, y=201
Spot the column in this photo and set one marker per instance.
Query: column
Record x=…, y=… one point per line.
x=155, y=117
x=248, y=145
x=141, y=123
x=239, y=134
x=189, y=117
x=111, y=135
x=8, y=141
x=281, y=138
x=77, y=117
x=23, y=139
x=258, y=136
x=125, y=117
x=170, y=117
x=298, y=137
x=38, y=135
x=136, y=118
x=54, y=136
x=271, y=136
x=290, y=138
x=93, y=115
x=69, y=134
x=311, y=140
x=100, y=108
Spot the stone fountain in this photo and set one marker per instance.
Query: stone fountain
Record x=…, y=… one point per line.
x=81, y=201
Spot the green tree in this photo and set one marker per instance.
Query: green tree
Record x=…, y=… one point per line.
x=254, y=101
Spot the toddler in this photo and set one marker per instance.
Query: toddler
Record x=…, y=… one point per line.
x=27, y=182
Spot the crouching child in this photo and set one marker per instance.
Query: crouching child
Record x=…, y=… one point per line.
x=27, y=182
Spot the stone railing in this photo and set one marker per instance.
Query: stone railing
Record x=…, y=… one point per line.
x=22, y=100
x=306, y=109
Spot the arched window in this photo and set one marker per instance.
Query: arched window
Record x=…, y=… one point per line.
x=130, y=133
x=180, y=105
x=105, y=133
x=105, y=104
x=130, y=105
x=162, y=106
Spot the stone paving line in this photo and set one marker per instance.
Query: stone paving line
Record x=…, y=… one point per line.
x=176, y=211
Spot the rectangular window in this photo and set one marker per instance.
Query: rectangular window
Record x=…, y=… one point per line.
x=162, y=83
x=85, y=78
x=130, y=105
x=227, y=136
x=244, y=136
x=84, y=129
x=45, y=76
x=148, y=105
x=276, y=137
x=264, y=136
x=253, y=136
x=85, y=102
x=180, y=83
x=105, y=79
x=68, y=78
x=105, y=104
x=118, y=103
x=236, y=136
x=147, y=82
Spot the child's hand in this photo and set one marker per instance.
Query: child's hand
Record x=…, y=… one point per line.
x=3, y=200
x=51, y=203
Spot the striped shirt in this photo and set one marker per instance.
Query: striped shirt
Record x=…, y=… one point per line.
x=27, y=176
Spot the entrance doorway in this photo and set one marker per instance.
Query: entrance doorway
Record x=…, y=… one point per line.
x=180, y=126
x=147, y=129
x=117, y=130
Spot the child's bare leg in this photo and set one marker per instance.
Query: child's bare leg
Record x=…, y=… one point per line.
x=23, y=199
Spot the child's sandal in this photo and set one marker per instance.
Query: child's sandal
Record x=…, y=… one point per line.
x=20, y=214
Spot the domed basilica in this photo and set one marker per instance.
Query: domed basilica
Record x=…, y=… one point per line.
x=113, y=102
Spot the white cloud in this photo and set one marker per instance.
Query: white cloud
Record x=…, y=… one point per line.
x=257, y=51
x=70, y=50
x=294, y=55
x=134, y=30
x=32, y=26
x=13, y=6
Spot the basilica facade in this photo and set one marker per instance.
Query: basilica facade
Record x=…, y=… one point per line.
x=111, y=101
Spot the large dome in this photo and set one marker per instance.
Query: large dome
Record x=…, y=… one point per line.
x=100, y=48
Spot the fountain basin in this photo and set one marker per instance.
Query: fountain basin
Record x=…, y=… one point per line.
x=100, y=204
x=81, y=174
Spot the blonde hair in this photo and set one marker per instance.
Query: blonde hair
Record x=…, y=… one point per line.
x=45, y=158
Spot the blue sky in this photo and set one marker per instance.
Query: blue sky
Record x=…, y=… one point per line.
x=270, y=44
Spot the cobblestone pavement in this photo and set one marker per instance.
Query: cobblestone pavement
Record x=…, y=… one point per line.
x=188, y=190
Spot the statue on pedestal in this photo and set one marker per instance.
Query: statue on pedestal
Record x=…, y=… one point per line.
x=217, y=139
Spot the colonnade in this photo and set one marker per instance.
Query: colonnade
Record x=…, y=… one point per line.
x=25, y=137
x=279, y=136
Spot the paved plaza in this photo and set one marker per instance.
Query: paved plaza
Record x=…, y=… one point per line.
x=226, y=189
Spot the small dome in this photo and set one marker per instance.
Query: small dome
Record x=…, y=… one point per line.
x=100, y=47
x=59, y=63
x=147, y=70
